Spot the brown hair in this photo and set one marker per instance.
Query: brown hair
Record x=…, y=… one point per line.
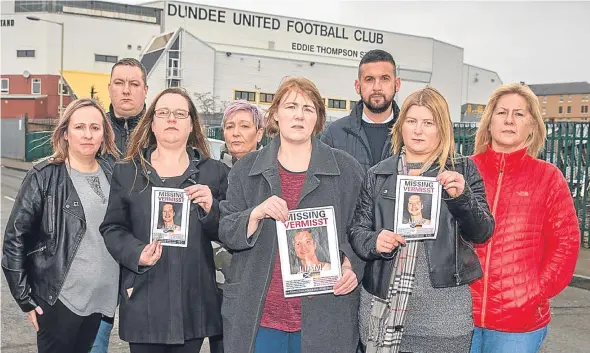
x=431, y=99
x=59, y=142
x=143, y=136
x=300, y=85
x=536, y=139
x=131, y=62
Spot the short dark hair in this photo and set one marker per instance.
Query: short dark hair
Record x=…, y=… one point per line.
x=376, y=56
x=131, y=62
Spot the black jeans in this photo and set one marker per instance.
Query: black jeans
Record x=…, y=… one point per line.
x=62, y=331
x=216, y=344
x=192, y=346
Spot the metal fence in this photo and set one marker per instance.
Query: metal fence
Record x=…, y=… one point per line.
x=567, y=147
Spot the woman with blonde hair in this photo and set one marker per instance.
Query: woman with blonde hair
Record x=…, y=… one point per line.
x=169, y=298
x=414, y=296
x=54, y=259
x=294, y=171
x=532, y=254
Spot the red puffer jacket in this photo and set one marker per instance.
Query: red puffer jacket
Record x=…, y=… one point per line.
x=532, y=254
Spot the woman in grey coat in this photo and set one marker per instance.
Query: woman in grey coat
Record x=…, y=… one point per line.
x=294, y=171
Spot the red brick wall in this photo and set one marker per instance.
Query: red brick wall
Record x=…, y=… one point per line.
x=42, y=108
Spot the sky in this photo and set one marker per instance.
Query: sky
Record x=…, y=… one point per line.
x=534, y=42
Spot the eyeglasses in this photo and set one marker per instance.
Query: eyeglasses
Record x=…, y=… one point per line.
x=164, y=113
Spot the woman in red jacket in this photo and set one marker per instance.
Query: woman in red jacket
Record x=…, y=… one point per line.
x=532, y=253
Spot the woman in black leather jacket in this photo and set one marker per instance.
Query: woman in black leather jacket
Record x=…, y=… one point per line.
x=437, y=314
x=54, y=258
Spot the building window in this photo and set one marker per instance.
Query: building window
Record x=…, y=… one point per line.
x=584, y=109
x=560, y=110
x=544, y=111
x=544, y=99
x=336, y=104
x=25, y=53
x=4, y=86
x=106, y=58
x=266, y=97
x=245, y=95
x=36, y=86
x=560, y=99
x=569, y=109
x=64, y=89
x=569, y=98
x=353, y=104
x=173, y=82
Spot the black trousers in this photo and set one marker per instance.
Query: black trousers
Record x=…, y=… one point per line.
x=192, y=346
x=62, y=331
x=216, y=344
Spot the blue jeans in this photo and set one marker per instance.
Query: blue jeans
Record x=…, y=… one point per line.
x=274, y=341
x=491, y=341
x=101, y=342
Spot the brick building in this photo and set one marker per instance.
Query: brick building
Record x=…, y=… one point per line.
x=564, y=101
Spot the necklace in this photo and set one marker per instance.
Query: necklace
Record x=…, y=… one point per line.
x=418, y=165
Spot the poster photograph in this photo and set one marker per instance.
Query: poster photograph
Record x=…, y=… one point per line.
x=417, y=207
x=308, y=250
x=170, y=216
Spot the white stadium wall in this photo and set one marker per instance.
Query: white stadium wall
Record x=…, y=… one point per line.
x=478, y=84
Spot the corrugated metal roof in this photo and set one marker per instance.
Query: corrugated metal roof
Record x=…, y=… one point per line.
x=551, y=89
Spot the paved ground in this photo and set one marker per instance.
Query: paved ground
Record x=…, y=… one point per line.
x=568, y=332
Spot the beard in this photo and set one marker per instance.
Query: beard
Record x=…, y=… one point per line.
x=378, y=108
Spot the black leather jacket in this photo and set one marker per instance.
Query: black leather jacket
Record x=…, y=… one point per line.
x=463, y=220
x=43, y=232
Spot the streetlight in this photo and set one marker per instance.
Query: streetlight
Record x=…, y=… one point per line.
x=61, y=73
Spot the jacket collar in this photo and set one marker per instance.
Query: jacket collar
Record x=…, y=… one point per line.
x=194, y=156
x=323, y=162
x=505, y=160
x=131, y=121
x=322, y=159
x=356, y=116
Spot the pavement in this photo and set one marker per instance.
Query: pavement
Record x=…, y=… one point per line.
x=568, y=330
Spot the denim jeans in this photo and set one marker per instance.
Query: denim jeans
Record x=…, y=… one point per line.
x=491, y=341
x=274, y=341
x=101, y=342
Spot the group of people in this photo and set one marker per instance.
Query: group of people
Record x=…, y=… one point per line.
x=78, y=241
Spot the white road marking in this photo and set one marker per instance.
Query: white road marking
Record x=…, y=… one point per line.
x=585, y=277
x=10, y=198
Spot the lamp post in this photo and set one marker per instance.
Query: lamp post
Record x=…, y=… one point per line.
x=61, y=73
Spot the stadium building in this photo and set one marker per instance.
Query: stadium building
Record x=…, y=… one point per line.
x=217, y=54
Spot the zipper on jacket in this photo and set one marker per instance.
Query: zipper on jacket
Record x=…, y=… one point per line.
x=38, y=250
x=457, y=276
x=126, y=126
x=489, y=247
x=362, y=142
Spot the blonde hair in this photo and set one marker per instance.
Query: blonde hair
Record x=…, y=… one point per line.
x=535, y=140
x=143, y=136
x=304, y=86
x=432, y=100
x=58, y=139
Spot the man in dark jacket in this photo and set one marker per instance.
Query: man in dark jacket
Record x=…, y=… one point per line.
x=127, y=90
x=364, y=134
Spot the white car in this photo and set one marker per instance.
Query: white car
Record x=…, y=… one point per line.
x=216, y=146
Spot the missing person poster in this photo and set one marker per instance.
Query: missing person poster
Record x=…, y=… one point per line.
x=308, y=250
x=170, y=216
x=417, y=207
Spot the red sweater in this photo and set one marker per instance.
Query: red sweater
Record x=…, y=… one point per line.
x=532, y=254
x=282, y=313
